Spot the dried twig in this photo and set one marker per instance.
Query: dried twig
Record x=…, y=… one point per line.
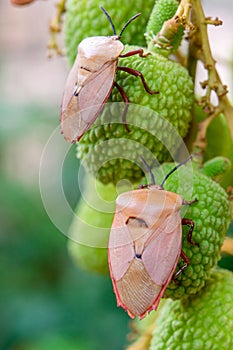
x=55, y=27
x=200, y=50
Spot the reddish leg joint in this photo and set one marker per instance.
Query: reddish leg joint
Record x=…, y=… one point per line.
x=139, y=52
x=189, y=223
x=136, y=73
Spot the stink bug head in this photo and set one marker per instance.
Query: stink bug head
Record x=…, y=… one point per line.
x=145, y=245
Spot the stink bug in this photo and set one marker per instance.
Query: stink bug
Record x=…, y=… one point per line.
x=145, y=245
x=91, y=81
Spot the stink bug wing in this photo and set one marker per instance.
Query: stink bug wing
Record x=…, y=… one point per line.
x=120, y=245
x=161, y=255
x=162, y=272
x=79, y=112
x=89, y=84
x=97, y=89
x=139, y=283
x=70, y=86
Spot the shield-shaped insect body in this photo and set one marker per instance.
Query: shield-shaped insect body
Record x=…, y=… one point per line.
x=145, y=245
x=91, y=80
x=89, y=84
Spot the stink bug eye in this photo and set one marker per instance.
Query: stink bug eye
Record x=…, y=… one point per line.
x=145, y=245
x=92, y=79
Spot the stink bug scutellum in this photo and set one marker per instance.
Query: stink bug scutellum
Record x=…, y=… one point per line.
x=91, y=81
x=145, y=245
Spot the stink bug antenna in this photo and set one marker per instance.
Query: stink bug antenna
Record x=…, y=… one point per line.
x=109, y=19
x=149, y=170
x=128, y=22
x=174, y=169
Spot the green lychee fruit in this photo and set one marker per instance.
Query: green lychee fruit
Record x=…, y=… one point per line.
x=211, y=215
x=90, y=228
x=216, y=167
x=200, y=322
x=154, y=121
x=84, y=18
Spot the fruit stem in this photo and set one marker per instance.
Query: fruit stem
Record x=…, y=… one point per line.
x=55, y=27
x=171, y=26
x=200, y=50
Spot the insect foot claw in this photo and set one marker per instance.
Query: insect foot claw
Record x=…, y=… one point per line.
x=145, y=54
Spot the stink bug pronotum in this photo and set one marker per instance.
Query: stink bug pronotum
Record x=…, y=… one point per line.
x=145, y=245
x=91, y=81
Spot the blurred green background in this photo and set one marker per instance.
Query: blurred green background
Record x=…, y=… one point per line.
x=46, y=302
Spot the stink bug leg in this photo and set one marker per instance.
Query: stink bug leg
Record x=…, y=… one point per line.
x=139, y=52
x=136, y=73
x=189, y=223
x=186, y=264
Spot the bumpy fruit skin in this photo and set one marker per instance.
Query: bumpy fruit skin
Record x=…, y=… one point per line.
x=95, y=214
x=211, y=215
x=91, y=225
x=200, y=322
x=172, y=105
x=84, y=18
x=163, y=11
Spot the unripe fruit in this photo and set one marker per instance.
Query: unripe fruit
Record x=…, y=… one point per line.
x=163, y=11
x=91, y=225
x=83, y=19
x=211, y=216
x=216, y=167
x=171, y=106
x=203, y=321
x=216, y=146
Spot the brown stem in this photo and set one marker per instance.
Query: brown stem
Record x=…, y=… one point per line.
x=200, y=50
x=171, y=26
x=55, y=28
